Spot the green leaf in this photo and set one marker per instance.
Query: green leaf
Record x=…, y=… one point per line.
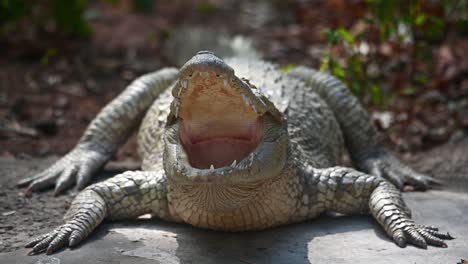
x=420, y=20
x=376, y=95
x=421, y=79
x=462, y=26
x=13, y=10
x=143, y=6
x=331, y=36
x=338, y=71
x=288, y=68
x=114, y=2
x=436, y=28
x=206, y=8
x=345, y=35
x=325, y=62
x=50, y=53
x=409, y=90
x=69, y=17
x=356, y=88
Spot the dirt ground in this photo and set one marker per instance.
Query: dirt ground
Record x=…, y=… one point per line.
x=22, y=217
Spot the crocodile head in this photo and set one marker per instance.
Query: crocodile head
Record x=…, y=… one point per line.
x=221, y=129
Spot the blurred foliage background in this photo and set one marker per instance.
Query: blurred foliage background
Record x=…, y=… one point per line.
x=63, y=59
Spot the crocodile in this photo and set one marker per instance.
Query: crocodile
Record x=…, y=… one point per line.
x=235, y=145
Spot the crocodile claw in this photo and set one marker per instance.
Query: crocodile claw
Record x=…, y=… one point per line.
x=78, y=166
x=419, y=235
x=388, y=167
x=49, y=243
x=67, y=235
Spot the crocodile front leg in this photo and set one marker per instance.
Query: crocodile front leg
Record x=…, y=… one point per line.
x=348, y=191
x=127, y=195
x=110, y=129
x=389, y=209
x=362, y=139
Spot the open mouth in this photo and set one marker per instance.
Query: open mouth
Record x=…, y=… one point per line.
x=218, y=125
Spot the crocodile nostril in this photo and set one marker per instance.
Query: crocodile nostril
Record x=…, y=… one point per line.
x=204, y=52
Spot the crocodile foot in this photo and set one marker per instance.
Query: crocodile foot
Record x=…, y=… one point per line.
x=69, y=234
x=407, y=232
x=387, y=166
x=79, y=165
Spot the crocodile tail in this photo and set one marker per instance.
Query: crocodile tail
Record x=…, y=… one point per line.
x=183, y=43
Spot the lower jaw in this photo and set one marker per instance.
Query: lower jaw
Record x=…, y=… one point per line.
x=181, y=172
x=234, y=207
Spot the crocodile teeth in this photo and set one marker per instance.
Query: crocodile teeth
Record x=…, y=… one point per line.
x=234, y=163
x=254, y=108
x=211, y=167
x=251, y=158
x=246, y=99
x=184, y=83
x=225, y=83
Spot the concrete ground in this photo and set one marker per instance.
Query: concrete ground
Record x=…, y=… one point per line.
x=326, y=240
x=351, y=239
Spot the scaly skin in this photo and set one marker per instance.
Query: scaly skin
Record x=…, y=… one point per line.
x=309, y=118
x=364, y=144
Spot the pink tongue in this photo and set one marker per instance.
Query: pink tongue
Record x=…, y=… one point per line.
x=220, y=152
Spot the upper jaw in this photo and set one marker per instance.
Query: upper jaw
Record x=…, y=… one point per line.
x=251, y=96
x=206, y=64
